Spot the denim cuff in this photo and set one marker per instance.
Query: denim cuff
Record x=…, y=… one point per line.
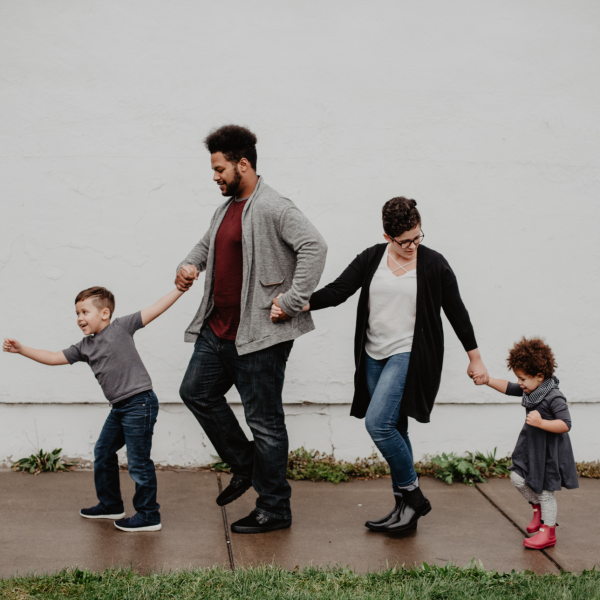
x=287, y=515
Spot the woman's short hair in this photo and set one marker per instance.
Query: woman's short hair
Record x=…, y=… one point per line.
x=399, y=215
x=533, y=356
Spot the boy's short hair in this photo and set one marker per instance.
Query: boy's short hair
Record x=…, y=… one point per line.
x=235, y=142
x=399, y=215
x=101, y=298
x=533, y=356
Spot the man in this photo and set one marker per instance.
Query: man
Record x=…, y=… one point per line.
x=258, y=245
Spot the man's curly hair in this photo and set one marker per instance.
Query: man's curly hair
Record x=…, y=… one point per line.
x=399, y=215
x=533, y=356
x=234, y=142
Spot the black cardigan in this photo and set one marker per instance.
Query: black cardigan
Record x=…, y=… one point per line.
x=436, y=288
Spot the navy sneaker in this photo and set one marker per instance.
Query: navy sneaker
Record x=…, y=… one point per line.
x=99, y=512
x=136, y=523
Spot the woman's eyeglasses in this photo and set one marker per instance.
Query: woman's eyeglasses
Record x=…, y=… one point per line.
x=406, y=243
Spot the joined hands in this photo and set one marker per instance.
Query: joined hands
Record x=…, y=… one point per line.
x=186, y=277
x=277, y=313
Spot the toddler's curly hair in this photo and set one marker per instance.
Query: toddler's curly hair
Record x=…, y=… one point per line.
x=533, y=356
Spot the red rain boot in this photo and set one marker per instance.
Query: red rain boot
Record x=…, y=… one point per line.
x=544, y=538
x=536, y=521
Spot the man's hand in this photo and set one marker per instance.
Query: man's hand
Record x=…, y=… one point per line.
x=11, y=345
x=277, y=314
x=534, y=419
x=185, y=277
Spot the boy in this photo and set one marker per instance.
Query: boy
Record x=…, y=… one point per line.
x=110, y=351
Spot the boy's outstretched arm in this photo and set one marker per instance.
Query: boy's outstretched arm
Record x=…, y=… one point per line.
x=42, y=356
x=157, y=309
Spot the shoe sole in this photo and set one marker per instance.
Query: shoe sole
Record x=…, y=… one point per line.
x=112, y=517
x=259, y=529
x=146, y=528
x=232, y=498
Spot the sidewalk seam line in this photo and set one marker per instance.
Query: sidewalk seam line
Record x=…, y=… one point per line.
x=516, y=526
x=226, y=526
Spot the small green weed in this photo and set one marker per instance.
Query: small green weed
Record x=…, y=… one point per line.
x=44, y=461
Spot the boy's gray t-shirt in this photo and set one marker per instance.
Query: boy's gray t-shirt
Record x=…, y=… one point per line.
x=114, y=359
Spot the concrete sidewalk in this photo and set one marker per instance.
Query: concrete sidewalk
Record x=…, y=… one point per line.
x=42, y=532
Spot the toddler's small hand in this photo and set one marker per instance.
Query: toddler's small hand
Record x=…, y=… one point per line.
x=11, y=345
x=478, y=378
x=534, y=418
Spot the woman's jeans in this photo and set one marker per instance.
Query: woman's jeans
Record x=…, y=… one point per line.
x=130, y=423
x=389, y=430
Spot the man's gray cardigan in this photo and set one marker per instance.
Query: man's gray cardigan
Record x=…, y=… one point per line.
x=283, y=253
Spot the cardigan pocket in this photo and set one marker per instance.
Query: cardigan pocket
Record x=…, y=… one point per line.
x=270, y=288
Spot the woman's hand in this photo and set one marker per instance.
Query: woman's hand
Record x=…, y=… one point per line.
x=476, y=369
x=277, y=313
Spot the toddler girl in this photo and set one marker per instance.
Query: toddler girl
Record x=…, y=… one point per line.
x=543, y=458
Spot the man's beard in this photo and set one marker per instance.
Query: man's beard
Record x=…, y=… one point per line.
x=233, y=187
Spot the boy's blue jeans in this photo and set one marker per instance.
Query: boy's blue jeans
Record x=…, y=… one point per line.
x=214, y=368
x=130, y=423
x=389, y=430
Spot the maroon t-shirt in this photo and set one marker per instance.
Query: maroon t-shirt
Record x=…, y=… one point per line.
x=229, y=273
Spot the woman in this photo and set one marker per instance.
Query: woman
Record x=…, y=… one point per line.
x=399, y=345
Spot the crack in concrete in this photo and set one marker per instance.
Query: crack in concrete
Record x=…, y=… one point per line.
x=226, y=526
x=522, y=531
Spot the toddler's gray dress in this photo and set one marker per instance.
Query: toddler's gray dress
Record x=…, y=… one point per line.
x=544, y=459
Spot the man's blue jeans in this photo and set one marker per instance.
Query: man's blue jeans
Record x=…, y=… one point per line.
x=389, y=430
x=130, y=423
x=214, y=368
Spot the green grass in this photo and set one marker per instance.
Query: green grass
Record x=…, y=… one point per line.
x=270, y=582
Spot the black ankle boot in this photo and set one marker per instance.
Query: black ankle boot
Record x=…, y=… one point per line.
x=389, y=518
x=413, y=506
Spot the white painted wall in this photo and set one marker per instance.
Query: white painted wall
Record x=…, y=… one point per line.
x=486, y=113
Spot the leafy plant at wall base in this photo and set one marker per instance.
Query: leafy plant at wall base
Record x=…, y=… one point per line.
x=468, y=469
x=472, y=468
x=314, y=466
x=450, y=467
x=589, y=469
x=220, y=467
x=44, y=461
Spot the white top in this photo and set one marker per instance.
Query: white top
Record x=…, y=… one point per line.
x=392, y=311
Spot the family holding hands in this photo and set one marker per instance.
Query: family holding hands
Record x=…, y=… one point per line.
x=263, y=261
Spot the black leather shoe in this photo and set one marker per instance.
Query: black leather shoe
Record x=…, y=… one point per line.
x=410, y=507
x=237, y=486
x=256, y=522
x=389, y=518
